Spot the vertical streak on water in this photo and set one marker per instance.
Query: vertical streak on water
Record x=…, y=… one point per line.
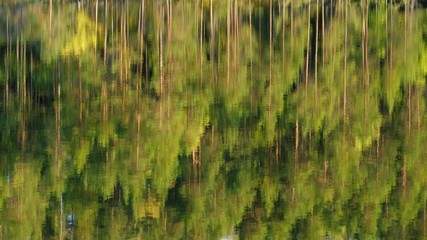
x=316, y=50
x=17, y=63
x=405, y=58
x=7, y=61
x=236, y=36
x=251, y=53
x=323, y=34
x=96, y=24
x=106, y=30
x=61, y=216
x=271, y=58
x=367, y=41
x=24, y=72
x=121, y=38
x=127, y=44
x=307, y=52
x=160, y=32
x=50, y=15
x=211, y=41
x=283, y=34
x=201, y=43
x=168, y=54
x=228, y=43
x=345, y=64
x=140, y=58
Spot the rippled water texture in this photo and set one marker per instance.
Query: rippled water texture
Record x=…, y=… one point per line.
x=213, y=119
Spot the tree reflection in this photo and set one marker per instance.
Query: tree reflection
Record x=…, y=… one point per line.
x=211, y=119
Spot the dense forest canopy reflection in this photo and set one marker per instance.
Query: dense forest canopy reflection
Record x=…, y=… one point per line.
x=211, y=119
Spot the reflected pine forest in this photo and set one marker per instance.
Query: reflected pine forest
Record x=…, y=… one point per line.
x=213, y=119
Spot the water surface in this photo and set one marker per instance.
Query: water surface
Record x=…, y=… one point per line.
x=212, y=120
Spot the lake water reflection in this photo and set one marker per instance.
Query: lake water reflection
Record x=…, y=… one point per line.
x=214, y=119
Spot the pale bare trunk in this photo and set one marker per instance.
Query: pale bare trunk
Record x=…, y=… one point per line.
x=316, y=50
x=228, y=41
x=345, y=65
x=160, y=30
x=105, y=30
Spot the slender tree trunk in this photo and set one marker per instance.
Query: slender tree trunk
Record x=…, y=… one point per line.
x=61, y=216
x=363, y=45
x=409, y=107
x=345, y=64
x=50, y=15
x=96, y=22
x=22, y=92
x=307, y=51
x=7, y=61
x=236, y=34
x=127, y=50
x=316, y=50
x=391, y=39
x=211, y=40
x=105, y=30
x=139, y=69
x=24, y=73
x=138, y=124
x=367, y=43
x=80, y=96
x=58, y=131
x=296, y=139
x=228, y=41
x=160, y=30
x=387, y=42
x=121, y=52
x=271, y=59
x=201, y=43
x=251, y=53
x=323, y=33
x=292, y=18
x=17, y=64
x=283, y=33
